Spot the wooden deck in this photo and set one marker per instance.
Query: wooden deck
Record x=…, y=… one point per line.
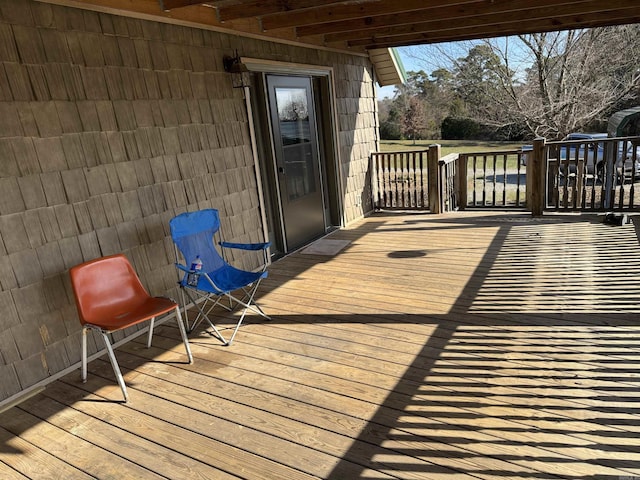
x=461, y=346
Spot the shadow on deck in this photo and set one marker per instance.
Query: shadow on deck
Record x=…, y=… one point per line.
x=468, y=345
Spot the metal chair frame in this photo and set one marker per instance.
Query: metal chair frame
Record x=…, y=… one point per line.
x=209, y=291
x=89, y=284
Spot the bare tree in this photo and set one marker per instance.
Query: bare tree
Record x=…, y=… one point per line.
x=415, y=120
x=577, y=78
x=547, y=84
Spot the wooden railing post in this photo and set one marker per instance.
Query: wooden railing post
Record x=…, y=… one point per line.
x=374, y=179
x=461, y=180
x=536, y=173
x=435, y=191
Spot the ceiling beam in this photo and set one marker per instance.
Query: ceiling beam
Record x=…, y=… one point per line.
x=406, y=22
x=443, y=13
x=616, y=17
x=525, y=15
x=167, y=5
x=256, y=8
x=350, y=10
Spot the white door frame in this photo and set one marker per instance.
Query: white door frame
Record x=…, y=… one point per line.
x=284, y=68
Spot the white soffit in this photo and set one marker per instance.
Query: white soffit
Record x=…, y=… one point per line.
x=388, y=66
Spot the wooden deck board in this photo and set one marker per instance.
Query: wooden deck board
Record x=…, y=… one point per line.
x=88, y=425
x=466, y=346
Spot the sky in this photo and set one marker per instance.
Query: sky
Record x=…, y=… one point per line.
x=427, y=58
x=431, y=57
x=386, y=92
x=421, y=57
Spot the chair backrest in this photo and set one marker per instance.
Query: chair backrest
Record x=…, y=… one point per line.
x=193, y=233
x=106, y=287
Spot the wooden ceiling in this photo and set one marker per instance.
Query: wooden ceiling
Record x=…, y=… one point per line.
x=366, y=24
x=361, y=25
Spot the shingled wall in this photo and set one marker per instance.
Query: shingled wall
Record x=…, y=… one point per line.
x=110, y=126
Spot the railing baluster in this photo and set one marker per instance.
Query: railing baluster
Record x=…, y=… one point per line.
x=383, y=192
x=571, y=184
x=405, y=181
x=484, y=180
x=592, y=192
x=494, y=182
x=634, y=159
x=395, y=178
x=379, y=178
x=504, y=182
x=621, y=189
x=423, y=173
x=554, y=169
x=400, y=180
x=415, y=180
x=387, y=175
x=565, y=192
x=518, y=171
x=410, y=183
x=475, y=199
x=387, y=179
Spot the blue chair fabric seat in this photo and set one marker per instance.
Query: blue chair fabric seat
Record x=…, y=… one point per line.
x=194, y=235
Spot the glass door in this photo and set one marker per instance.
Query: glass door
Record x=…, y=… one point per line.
x=295, y=140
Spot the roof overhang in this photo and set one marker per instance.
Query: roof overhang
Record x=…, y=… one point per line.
x=388, y=66
x=372, y=27
x=362, y=25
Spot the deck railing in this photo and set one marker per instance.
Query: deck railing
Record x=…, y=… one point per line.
x=400, y=179
x=494, y=179
x=593, y=175
x=449, y=183
x=421, y=179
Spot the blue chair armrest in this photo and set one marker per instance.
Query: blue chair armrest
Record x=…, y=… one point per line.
x=183, y=268
x=246, y=246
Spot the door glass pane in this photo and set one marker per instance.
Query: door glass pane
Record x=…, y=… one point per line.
x=295, y=132
x=293, y=115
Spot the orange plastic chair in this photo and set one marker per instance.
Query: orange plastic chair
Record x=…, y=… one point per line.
x=110, y=297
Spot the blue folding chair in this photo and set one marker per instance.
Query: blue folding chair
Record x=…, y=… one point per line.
x=194, y=235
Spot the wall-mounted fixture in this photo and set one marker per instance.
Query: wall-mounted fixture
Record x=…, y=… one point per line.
x=240, y=76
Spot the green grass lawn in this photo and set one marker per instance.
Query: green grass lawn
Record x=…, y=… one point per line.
x=486, y=174
x=462, y=146
x=449, y=146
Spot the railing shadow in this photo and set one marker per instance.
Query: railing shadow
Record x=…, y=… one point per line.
x=530, y=374
x=517, y=422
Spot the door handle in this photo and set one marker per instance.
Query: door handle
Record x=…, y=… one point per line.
x=281, y=170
